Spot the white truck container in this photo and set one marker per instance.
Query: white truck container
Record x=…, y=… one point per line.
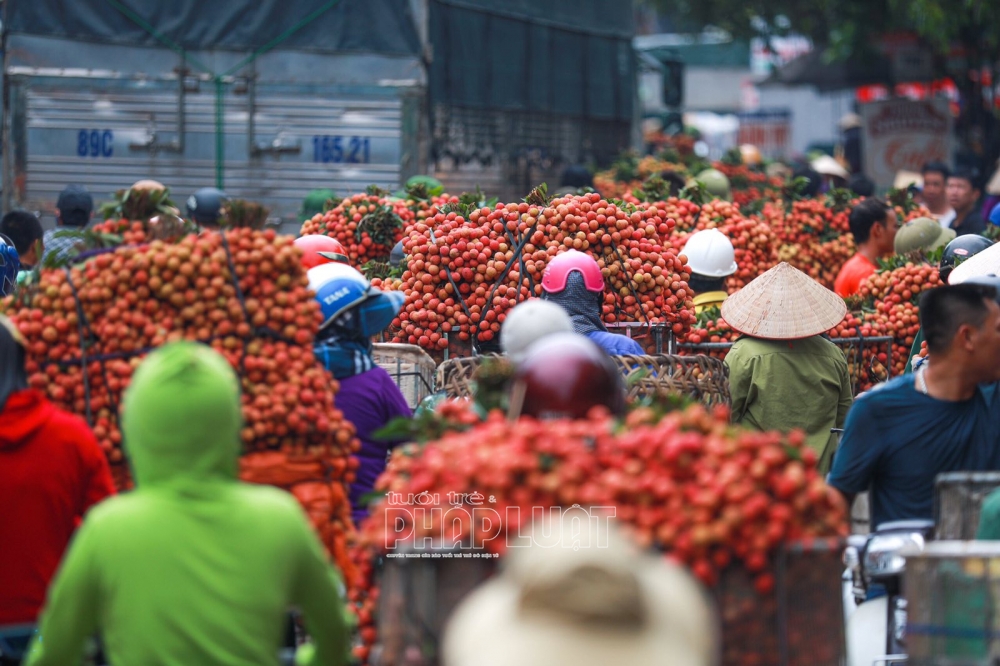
x=267, y=127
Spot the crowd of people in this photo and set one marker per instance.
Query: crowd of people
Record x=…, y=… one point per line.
x=193, y=566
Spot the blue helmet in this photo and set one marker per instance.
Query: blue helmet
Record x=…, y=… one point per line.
x=995, y=215
x=10, y=265
x=348, y=300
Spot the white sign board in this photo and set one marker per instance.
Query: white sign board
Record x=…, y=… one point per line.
x=903, y=135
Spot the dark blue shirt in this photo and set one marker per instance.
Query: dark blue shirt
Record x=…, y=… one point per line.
x=616, y=345
x=897, y=440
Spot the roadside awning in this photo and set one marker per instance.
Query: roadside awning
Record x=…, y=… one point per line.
x=812, y=69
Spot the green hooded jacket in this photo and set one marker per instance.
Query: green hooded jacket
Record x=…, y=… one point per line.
x=193, y=567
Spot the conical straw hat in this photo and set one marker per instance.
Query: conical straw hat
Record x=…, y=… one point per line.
x=986, y=262
x=783, y=304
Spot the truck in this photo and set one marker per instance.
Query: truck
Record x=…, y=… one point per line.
x=269, y=99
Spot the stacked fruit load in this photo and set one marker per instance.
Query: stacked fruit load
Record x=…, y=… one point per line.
x=242, y=292
x=890, y=300
x=753, y=240
x=467, y=266
x=712, y=497
x=367, y=225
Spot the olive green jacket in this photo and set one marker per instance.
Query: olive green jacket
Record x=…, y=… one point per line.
x=787, y=384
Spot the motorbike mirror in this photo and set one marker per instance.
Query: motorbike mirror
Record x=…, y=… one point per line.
x=884, y=553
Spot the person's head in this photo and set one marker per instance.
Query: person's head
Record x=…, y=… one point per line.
x=10, y=266
x=315, y=203
x=813, y=180
x=873, y=223
x=318, y=249
x=181, y=417
x=850, y=121
x=963, y=190
x=205, y=206
x=828, y=167
x=861, y=185
x=148, y=185
x=350, y=306
x=13, y=376
x=935, y=177
x=576, y=176
x=711, y=258
x=750, y=154
x=74, y=207
x=961, y=324
x=565, y=375
x=715, y=183
x=922, y=234
x=960, y=249
x=25, y=231
x=529, y=322
x=582, y=594
x=574, y=280
x=676, y=181
x=807, y=308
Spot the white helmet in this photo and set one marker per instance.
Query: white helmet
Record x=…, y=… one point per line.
x=710, y=253
x=530, y=321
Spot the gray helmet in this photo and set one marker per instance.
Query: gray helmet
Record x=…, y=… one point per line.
x=205, y=205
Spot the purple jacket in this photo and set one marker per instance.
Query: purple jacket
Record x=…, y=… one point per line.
x=369, y=401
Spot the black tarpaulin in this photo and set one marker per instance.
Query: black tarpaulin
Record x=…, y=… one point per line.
x=360, y=26
x=541, y=56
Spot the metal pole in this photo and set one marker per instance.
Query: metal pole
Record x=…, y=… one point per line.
x=220, y=139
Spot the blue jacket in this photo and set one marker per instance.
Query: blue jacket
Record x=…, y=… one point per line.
x=616, y=345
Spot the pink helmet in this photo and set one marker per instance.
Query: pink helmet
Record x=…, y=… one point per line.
x=557, y=272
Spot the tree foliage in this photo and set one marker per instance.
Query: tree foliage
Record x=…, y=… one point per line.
x=849, y=27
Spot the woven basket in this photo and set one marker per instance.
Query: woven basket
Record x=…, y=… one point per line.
x=456, y=376
x=409, y=366
x=702, y=378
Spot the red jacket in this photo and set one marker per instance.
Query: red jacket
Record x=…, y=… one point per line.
x=51, y=471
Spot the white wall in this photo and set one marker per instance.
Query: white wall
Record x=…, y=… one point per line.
x=814, y=115
x=713, y=88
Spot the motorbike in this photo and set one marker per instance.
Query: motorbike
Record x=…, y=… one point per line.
x=875, y=607
x=14, y=641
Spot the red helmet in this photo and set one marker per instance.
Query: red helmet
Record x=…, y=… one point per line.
x=557, y=272
x=318, y=249
x=564, y=375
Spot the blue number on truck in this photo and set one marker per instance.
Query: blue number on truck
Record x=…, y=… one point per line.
x=341, y=149
x=95, y=143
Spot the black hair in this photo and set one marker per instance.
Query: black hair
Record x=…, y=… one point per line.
x=75, y=217
x=866, y=214
x=577, y=176
x=703, y=283
x=969, y=175
x=22, y=228
x=675, y=180
x=815, y=180
x=936, y=167
x=943, y=310
x=861, y=185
